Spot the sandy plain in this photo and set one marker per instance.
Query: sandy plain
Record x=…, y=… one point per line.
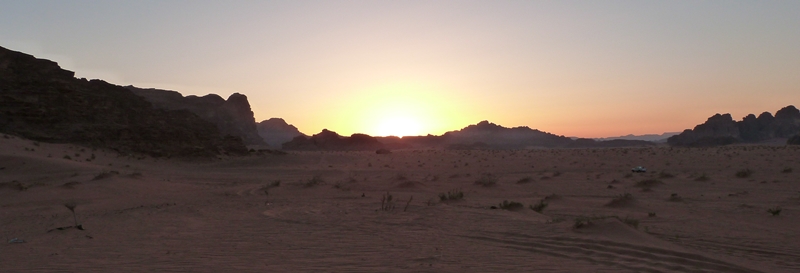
x=143, y=214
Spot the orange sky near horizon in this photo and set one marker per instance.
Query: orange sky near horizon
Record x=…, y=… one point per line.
x=573, y=68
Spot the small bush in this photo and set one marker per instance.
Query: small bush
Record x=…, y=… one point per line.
x=452, y=195
x=539, y=207
x=104, y=175
x=774, y=211
x=786, y=170
x=621, y=200
x=487, y=180
x=314, y=181
x=524, y=180
x=649, y=183
x=744, y=173
x=631, y=222
x=665, y=175
x=703, y=177
x=506, y=205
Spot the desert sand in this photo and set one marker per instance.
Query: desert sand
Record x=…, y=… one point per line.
x=326, y=214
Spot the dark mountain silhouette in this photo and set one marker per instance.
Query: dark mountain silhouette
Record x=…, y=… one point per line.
x=658, y=138
x=484, y=135
x=723, y=130
x=329, y=140
x=276, y=131
x=41, y=101
x=232, y=116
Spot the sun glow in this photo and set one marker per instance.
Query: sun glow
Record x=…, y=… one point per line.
x=399, y=126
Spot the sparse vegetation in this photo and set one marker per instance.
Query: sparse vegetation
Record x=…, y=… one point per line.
x=702, y=177
x=665, y=175
x=621, y=200
x=647, y=184
x=387, y=204
x=510, y=205
x=539, y=207
x=452, y=195
x=314, y=181
x=787, y=170
x=774, y=211
x=675, y=198
x=487, y=180
x=744, y=173
x=524, y=180
x=104, y=175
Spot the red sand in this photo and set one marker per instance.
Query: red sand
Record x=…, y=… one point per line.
x=160, y=215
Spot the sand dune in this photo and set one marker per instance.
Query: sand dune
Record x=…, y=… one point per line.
x=142, y=214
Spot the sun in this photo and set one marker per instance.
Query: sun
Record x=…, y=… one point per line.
x=399, y=126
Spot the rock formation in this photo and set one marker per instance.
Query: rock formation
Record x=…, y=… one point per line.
x=276, y=131
x=723, y=130
x=232, y=116
x=41, y=101
x=329, y=140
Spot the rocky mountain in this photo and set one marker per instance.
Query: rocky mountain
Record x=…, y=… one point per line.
x=723, y=130
x=658, y=138
x=329, y=140
x=232, y=116
x=41, y=101
x=484, y=135
x=276, y=131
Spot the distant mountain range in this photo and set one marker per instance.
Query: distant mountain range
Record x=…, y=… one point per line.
x=662, y=138
x=41, y=101
x=483, y=135
x=722, y=129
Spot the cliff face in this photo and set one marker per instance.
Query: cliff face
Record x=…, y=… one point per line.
x=41, y=101
x=722, y=129
x=276, y=131
x=232, y=116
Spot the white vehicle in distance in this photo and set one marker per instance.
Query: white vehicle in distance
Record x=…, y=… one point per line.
x=638, y=169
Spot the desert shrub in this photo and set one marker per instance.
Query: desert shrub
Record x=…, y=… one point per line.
x=539, y=207
x=665, y=175
x=524, y=180
x=487, y=180
x=621, y=200
x=314, y=181
x=582, y=222
x=15, y=185
x=786, y=170
x=400, y=176
x=67, y=157
x=744, y=173
x=774, y=211
x=387, y=202
x=629, y=175
x=104, y=175
x=649, y=183
x=631, y=222
x=675, y=198
x=651, y=214
x=510, y=205
x=451, y=195
x=702, y=177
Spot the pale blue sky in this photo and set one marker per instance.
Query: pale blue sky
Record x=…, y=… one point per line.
x=578, y=68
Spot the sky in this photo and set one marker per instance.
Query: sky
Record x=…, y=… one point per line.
x=573, y=68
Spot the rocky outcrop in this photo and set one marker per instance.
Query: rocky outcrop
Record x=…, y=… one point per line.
x=723, y=130
x=41, y=101
x=329, y=140
x=232, y=116
x=276, y=131
x=499, y=137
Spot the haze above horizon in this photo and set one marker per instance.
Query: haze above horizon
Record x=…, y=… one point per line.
x=574, y=68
